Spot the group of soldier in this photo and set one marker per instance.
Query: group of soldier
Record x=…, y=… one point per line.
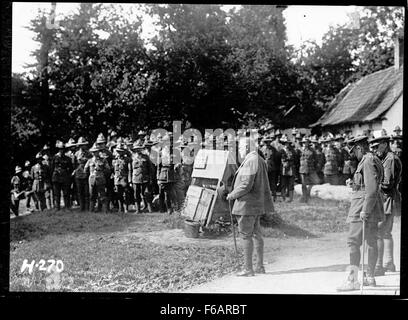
x=311, y=160
x=110, y=176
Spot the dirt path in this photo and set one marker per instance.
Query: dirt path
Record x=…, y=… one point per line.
x=304, y=266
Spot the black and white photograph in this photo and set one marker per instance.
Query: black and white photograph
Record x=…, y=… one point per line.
x=206, y=148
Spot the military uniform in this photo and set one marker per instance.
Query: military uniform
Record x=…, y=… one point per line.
x=27, y=186
x=141, y=180
x=122, y=178
x=307, y=172
x=350, y=166
x=41, y=184
x=272, y=157
x=165, y=179
x=331, y=166
x=81, y=178
x=108, y=156
x=320, y=162
x=72, y=187
x=392, y=203
x=16, y=194
x=98, y=170
x=288, y=172
x=365, y=198
x=61, y=169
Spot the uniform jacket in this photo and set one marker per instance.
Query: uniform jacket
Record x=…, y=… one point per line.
x=272, y=157
x=141, y=169
x=389, y=185
x=307, y=161
x=251, y=187
x=350, y=164
x=320, y=160
x=366, y=195
x=332, y=158
x=98, y=169
x=81, y=158
x=165, y=167
x=121, y=171
x=61, y=168
x=41, y=176
x=288, y=162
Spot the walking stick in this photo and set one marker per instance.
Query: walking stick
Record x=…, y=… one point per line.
x=233, y=229
x=362, y=261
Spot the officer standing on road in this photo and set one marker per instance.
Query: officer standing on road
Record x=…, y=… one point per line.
x=366, y=204
x=307, y=170
x=252, y=199
x=61, y=168
x=81, y=178
x=41, y=183
x=389, y=186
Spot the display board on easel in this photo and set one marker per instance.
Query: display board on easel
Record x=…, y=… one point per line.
x=212, y=168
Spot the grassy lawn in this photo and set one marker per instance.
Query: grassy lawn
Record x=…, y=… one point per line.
x=110, y=253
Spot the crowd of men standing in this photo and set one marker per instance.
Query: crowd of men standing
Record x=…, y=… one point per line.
x=117, y=173
x=110, y=176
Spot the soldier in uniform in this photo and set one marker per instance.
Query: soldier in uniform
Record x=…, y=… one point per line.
x=342, y=156
x=81, y=177
x=350, y=162
x=27, y=185
x=320, y=158
x=331, y=166
x=98, y=169
x=307, y=170
x=187, y=163
x=141, y=178
x=108, y=156
x=41, y=182
x=16, y=193
x=122, y=177
x=272, y=157
x=49, y=196
x=392, y=201
x=287, y=169
x=70, y=152
x=366, y=204
x=165, y=175
x=61, y=170
x=298, y=152
x=179, y=184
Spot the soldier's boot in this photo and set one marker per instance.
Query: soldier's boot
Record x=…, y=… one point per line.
x=57, y=204
x=379, y=270
x=369, y=280
x=121, y=206
x=67, y=203
x=149, y=207
x=137, y=207
x=290, y=199
x=351, y=282
x=248, y=249
x=259, y=257
x=389, y=255
x=48, y=203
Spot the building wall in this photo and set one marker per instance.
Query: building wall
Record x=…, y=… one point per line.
x=392, y=118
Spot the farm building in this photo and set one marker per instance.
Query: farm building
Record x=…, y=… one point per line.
x=375, y=102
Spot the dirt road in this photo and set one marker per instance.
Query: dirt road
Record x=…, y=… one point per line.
x=305, y=266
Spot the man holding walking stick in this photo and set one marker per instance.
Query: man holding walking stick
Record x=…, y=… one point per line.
x=252, y=198
x=366, y=210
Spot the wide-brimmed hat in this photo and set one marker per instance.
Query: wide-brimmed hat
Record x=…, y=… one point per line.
x=137, y=146
x=353, y=142
x=120, y=147
x=70, y=143
x=113, y=134
x=27, y=163
x=38, y=155
x=95, y=148
x=59, y=145
x=82, y=141
x=379, y=139
x=100, y=138
x=18, y=169
x=284, y=139
x=338, y=137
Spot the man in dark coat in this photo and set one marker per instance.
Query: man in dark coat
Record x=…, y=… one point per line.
x=41, y=182
x=307, y=169
x=366, y=204
x=61, y=170
x=252, y=199
x=81, y=178
x=389, y=186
